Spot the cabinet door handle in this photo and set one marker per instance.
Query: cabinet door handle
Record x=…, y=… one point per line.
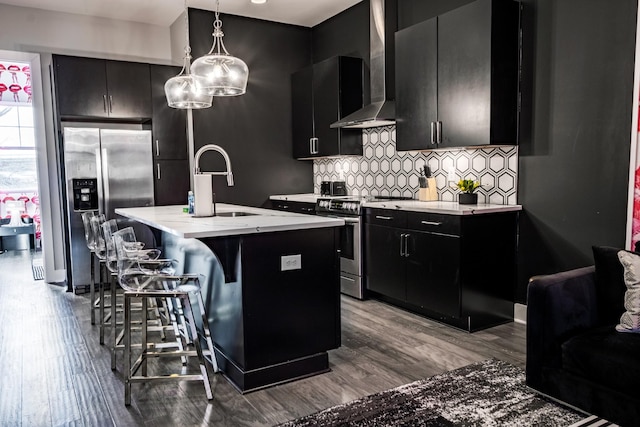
x=433, y=132
x=431, y=223
x=104, y=103
x=314, y=145
x=402, y=236
x=158, y=171
x=110, y=104
x=386, y=218
x=157, y=148
x=439, y=132
x=406, y=245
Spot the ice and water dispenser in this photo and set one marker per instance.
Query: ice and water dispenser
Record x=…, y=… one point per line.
x=85, y=194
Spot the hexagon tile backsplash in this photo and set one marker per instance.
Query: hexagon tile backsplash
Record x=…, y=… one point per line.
x=384, y=171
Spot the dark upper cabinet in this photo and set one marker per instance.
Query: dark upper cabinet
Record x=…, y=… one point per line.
x=322, y=94
x=98, y=88
x=457, y=78
x=169, y=125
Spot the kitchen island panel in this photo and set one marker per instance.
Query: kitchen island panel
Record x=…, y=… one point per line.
x=272, y=319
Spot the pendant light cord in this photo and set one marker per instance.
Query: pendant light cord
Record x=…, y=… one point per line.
x=186, y=67
x=218, y=44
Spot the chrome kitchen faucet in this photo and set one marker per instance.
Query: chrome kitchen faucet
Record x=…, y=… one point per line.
x=227, y=160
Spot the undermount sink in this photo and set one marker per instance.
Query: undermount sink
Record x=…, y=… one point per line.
x=237, y=213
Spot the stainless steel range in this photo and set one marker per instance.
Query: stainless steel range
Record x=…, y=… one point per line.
x=351, y=269
x=350, y=208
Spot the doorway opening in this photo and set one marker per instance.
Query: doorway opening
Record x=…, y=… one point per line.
x=19, y=198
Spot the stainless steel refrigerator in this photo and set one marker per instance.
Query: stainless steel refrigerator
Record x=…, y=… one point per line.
x=105, y=167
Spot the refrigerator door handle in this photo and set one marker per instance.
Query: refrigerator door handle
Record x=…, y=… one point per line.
x=104, y=176
x=99, y=168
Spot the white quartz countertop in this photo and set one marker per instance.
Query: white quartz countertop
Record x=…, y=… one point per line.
x=173, y=220
x=438, y=206
x=442, y=207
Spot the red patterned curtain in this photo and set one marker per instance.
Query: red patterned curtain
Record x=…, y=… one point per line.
x=15, y=83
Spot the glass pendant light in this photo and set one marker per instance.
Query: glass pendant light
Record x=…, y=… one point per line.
x=220, y=73
x=184, y=91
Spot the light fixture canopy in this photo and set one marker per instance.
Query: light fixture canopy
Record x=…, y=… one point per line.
x=220, y=73
x=184, y=91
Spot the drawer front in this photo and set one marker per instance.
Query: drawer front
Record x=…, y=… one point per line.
x=291, y=206
x=386, y=217
x=436, y=223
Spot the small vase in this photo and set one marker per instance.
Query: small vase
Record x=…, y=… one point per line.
x=468, y=198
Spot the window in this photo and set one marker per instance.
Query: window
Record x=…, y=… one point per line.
x=18, y=171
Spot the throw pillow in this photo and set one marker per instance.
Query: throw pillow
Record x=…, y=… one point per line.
x=610, y=287
x=630, y=319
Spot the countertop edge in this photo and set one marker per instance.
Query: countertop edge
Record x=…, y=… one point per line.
x=188, y=227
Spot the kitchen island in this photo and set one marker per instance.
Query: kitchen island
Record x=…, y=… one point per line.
x=270, y=286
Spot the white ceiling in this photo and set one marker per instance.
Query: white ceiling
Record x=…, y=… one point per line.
x=163, y=12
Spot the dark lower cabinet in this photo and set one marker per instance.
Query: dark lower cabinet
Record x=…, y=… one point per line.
x=458, y=269
x=385, y=264
x=432, y=272
x=171, y=182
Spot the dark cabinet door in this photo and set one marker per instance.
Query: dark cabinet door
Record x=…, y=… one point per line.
x=89, y=87
x=321, y=95
x=417, y=86
x=302, y=112
x=169, y=125
x=473, y=98
x=81, y=88
x=326, y=91
x=128, y=90
x=464, y=75
x=433, y=272
x=171, y=182
x=385, y=266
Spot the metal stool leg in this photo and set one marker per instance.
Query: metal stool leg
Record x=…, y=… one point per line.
x=127, y=349
x=92, y=288
x=102, y=302
x=196, y=342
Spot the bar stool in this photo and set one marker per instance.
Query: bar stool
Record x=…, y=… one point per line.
x=135, y=250
x=91, y=245
x=149, y=280
x=104, y=277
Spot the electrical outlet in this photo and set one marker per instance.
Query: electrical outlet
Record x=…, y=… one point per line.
x=290, y=262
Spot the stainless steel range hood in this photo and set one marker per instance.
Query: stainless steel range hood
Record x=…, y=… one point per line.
x=383, y=22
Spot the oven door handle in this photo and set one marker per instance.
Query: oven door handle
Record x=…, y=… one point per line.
x=351, y=220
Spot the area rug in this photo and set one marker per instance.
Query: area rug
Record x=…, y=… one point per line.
x=489, y=393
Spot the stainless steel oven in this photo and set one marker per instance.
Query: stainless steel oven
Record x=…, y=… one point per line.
x=351, y=270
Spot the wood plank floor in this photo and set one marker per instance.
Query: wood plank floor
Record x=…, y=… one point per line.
x=56, y=373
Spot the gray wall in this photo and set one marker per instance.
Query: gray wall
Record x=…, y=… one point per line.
x=255, y=128
x=574, y=151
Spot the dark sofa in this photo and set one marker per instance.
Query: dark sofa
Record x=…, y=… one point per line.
x=574, y=353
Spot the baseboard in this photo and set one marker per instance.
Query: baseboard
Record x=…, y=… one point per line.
x=520, y=313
